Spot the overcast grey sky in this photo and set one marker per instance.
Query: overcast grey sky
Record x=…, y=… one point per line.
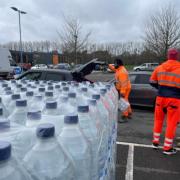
x=109, y=20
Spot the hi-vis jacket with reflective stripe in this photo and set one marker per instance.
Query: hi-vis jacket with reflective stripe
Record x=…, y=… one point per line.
x=122, y=79
x=167, y=78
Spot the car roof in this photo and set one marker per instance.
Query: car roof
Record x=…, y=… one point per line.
x=50, y=70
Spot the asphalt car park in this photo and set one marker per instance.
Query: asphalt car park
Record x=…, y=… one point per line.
x=136, y=160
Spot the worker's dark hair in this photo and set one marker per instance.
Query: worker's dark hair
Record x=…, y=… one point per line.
x=118, y=61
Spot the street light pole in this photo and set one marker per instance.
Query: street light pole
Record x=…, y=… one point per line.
x=19, y=15
x=75, y=47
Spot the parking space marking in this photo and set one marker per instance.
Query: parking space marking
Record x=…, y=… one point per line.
x=130, y=163
x=140, y=145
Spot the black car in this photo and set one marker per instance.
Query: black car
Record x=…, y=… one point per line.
x=77, y=74
x=142, y=93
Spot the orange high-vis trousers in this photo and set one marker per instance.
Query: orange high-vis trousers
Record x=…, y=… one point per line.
x=171, y=107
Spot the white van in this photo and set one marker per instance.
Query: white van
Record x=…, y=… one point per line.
x=146, y=67
x=6, y=70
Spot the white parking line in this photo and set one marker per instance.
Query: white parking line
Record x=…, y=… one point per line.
x=130, y=163
x=140, y=145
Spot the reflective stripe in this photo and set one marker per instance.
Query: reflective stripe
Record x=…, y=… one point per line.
x=167, y=145
x=156, y=134
x=168, y=74
x=169, y=83
x=156, y=139
x=153, y=81
x=169, y=140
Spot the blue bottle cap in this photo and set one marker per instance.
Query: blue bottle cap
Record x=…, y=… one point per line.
x=7, y=89
x=50, y=88
x=51, y=105
x=108, y=86
x=34, y=115
x=18, y=85
x=4, y=124
x=71, y=119
x=21, y=103
x=4, y=85
x=72, y=95
x=83, y=108
x=57, y=86
x=5, y=150
x=103, y=91
x=91, y=85
x=9, y=92
x=96, y=96
x=45, y=130
x=23, y=89
x=84, y=89
x=41, y=89
x=63, y=84
x=1, y=111
x=38, y=97
x=92, y=102
x=0, y=100
x=29, y=93
x=49, y=94
x=13, y=81
x=65, y=88
x=36, y=82
x=15, y=96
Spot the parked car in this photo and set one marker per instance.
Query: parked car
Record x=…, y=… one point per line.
x=142, y=93
x=146, y=67
x=64, y=66
x=59, y=74
x=39, y=66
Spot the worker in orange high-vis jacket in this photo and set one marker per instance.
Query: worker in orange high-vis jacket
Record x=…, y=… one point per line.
x=166, y=78
x=123, y=85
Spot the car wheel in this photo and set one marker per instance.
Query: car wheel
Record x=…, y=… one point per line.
x=137, y=69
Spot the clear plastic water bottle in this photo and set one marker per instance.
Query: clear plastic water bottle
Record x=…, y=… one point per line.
x=64, y=106
x=12, y=103
x=72, y=99
x=41, y=91
x=52, y=115
x=47, y=159
x=19, y=115
x=33, y=118
x=90, y=131
x=10, y=169
x=76, y=144
x=6, y=98
x=5, y=110
x=49, y=96
x=37, y=103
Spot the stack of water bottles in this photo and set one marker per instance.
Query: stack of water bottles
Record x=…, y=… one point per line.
x=57, y=130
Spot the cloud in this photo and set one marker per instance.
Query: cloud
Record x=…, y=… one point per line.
x=109, y=21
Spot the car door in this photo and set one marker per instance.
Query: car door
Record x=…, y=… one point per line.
x=55, y=76
x=142, y=93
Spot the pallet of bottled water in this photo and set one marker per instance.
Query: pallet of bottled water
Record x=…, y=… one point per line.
x=57, y=130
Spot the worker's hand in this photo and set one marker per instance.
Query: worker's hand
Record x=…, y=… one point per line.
x=122, y=95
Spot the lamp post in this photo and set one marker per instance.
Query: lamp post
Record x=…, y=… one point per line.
x=75, y=47
x=19, y=14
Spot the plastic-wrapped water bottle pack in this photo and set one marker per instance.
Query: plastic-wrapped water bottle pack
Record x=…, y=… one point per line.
x=57, y=130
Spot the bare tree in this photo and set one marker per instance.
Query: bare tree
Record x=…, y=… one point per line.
x=72, y=39
x=162, y=31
